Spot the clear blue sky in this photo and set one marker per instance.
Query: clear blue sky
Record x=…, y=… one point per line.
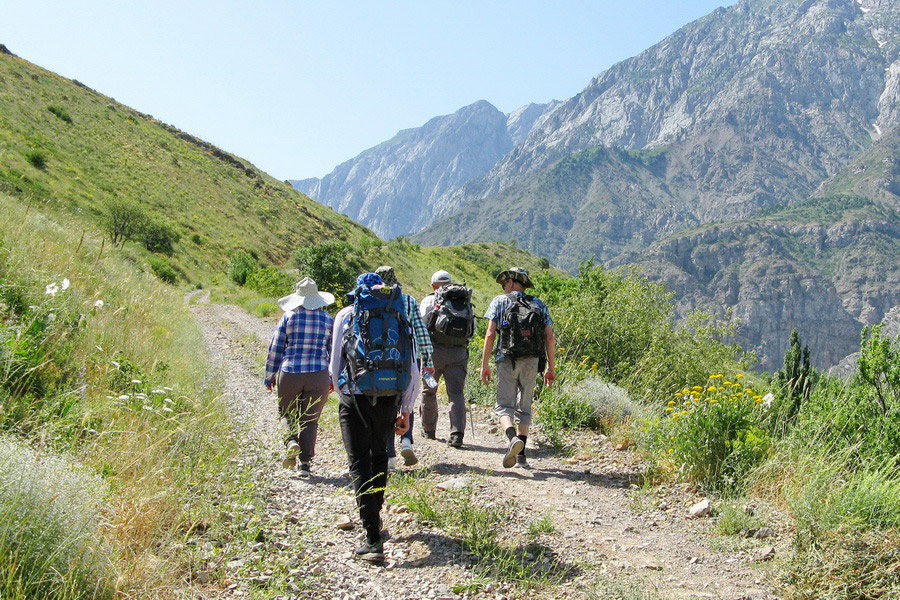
x=297, y=87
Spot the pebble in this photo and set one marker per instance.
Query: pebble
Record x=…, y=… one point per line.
x=344, y=523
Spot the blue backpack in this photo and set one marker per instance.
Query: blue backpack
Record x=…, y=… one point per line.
x=377, y=345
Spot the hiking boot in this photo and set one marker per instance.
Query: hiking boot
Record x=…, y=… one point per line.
x=370, y=551
x=515, y=446
x=521, y=463
x=455, y=440
x=304, y=471
x=392, y=464
x=290, y=460
x=429, y=435
x=406, y=452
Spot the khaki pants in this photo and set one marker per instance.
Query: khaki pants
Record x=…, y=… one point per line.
x=515, y=389
x=301, y=398
x=450, y=362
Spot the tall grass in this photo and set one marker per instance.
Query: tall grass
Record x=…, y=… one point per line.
x=102, y=363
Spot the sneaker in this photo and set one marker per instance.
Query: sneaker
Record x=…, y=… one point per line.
x=409, y=457
x=372, y=552
x=429, y=435
x=304, y=472
x=455, y=440
x=521, y=463
x=293, y=449
x=515, y=446
x=392, y=464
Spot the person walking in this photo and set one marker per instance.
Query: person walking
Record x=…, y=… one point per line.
x=526, y=345
x=297, y=365
x=450, y=319
x=423, y=342
x=370, y=413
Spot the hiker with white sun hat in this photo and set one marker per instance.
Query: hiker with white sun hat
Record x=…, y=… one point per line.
x=297, y=366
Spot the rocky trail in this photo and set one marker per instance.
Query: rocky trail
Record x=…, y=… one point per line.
x=606, y=533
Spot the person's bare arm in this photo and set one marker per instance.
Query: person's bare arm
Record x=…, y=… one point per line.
x=489, y=338
x=550, y=373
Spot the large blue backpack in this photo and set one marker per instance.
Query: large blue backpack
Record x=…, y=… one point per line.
x=377, y=345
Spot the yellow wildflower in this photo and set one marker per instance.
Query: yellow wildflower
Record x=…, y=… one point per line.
x=711, y=388
x=727, y=383
x=671, y=450
x=671, y=402
x=740, y=375
x=670, y=409
x=697, y=387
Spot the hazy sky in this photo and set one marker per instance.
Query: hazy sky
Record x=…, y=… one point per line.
x=297, y=87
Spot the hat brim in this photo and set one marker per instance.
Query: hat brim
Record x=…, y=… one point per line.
x=504, y=275
x=311, y=302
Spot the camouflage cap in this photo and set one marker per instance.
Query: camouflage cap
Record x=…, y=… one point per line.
x=387, y=275
x=516, y=274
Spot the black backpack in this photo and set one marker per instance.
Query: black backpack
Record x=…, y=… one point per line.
x=452, y=320
x=522, y=328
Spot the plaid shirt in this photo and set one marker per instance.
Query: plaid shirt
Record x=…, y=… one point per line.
x=301, y=344
x=420, y=332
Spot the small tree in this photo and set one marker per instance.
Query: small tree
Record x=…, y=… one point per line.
x=123, y=220
x=240, y=267
x=158, y=236
x=330, y=264
x=795, y=379
x=879, y=366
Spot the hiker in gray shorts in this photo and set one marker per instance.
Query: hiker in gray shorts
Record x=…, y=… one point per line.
x=451, y=359
x=526, y=343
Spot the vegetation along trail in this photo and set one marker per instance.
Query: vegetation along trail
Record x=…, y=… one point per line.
x=461, y=526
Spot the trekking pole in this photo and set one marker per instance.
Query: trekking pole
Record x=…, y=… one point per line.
x=468, y=402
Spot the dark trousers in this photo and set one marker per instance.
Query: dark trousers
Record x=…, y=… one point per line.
x=366, y=430
x=450, y=362
x=301, y=398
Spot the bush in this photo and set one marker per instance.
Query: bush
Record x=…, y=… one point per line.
x=712, y=433
x=270, y=281
x=37, y=159
x=158, y=236
x=49, y=529
x=241, y=265
x=163, y=269
x=330, y=264
x=122, y=220
x=60, y=112
x=266, y=309
x=559, y=412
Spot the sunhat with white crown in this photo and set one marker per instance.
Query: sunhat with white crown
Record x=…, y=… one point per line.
x=307, y=295
x=441, y=277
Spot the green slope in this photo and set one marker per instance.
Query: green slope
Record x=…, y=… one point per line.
x=96, y=151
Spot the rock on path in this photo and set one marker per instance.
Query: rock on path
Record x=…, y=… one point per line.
x=590, y=501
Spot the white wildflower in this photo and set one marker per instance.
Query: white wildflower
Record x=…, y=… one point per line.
x=98, y=304
x=65, y=284
x=124, y=397
x=137, y=381
x=51, y=288
x=166, y=409
x=768, y=399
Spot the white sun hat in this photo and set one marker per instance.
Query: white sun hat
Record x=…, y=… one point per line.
x=307, y=295
x=441, y=277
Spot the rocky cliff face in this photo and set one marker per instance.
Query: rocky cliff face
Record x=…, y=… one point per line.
x=399, y=186
x=766, y=98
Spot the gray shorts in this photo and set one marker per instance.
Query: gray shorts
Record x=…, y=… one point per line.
x=515, y=389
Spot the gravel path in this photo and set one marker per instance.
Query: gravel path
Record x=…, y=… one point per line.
x=610, y=533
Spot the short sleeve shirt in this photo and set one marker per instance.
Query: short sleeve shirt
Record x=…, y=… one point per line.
x=497, y=309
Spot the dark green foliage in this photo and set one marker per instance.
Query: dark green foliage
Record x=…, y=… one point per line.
x=795, y=380
x=240, y=267
x=37, y=159
x=123, y=220
x=163, y=269
x=158, y=236
x=270, y=281
x=879, y=367
x=544, y=262
x=60, y=112
x=330, y=264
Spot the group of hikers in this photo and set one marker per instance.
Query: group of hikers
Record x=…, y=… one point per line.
x=381, y=351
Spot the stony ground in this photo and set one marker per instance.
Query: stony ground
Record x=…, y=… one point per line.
x=606, y=533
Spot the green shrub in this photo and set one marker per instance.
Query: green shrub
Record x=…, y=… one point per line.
x=559, y=412
x=60, y=112
x=37, y=159
x=331, y=264
x=158, y=236
x=50, y=539
x=270, y=281
x=793, y=383
x=266, y=309
x=163, y=269
x=241, y=265
x=712, y=434
x=123, y=220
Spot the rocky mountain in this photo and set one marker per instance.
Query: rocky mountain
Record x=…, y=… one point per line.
x=401, y=185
